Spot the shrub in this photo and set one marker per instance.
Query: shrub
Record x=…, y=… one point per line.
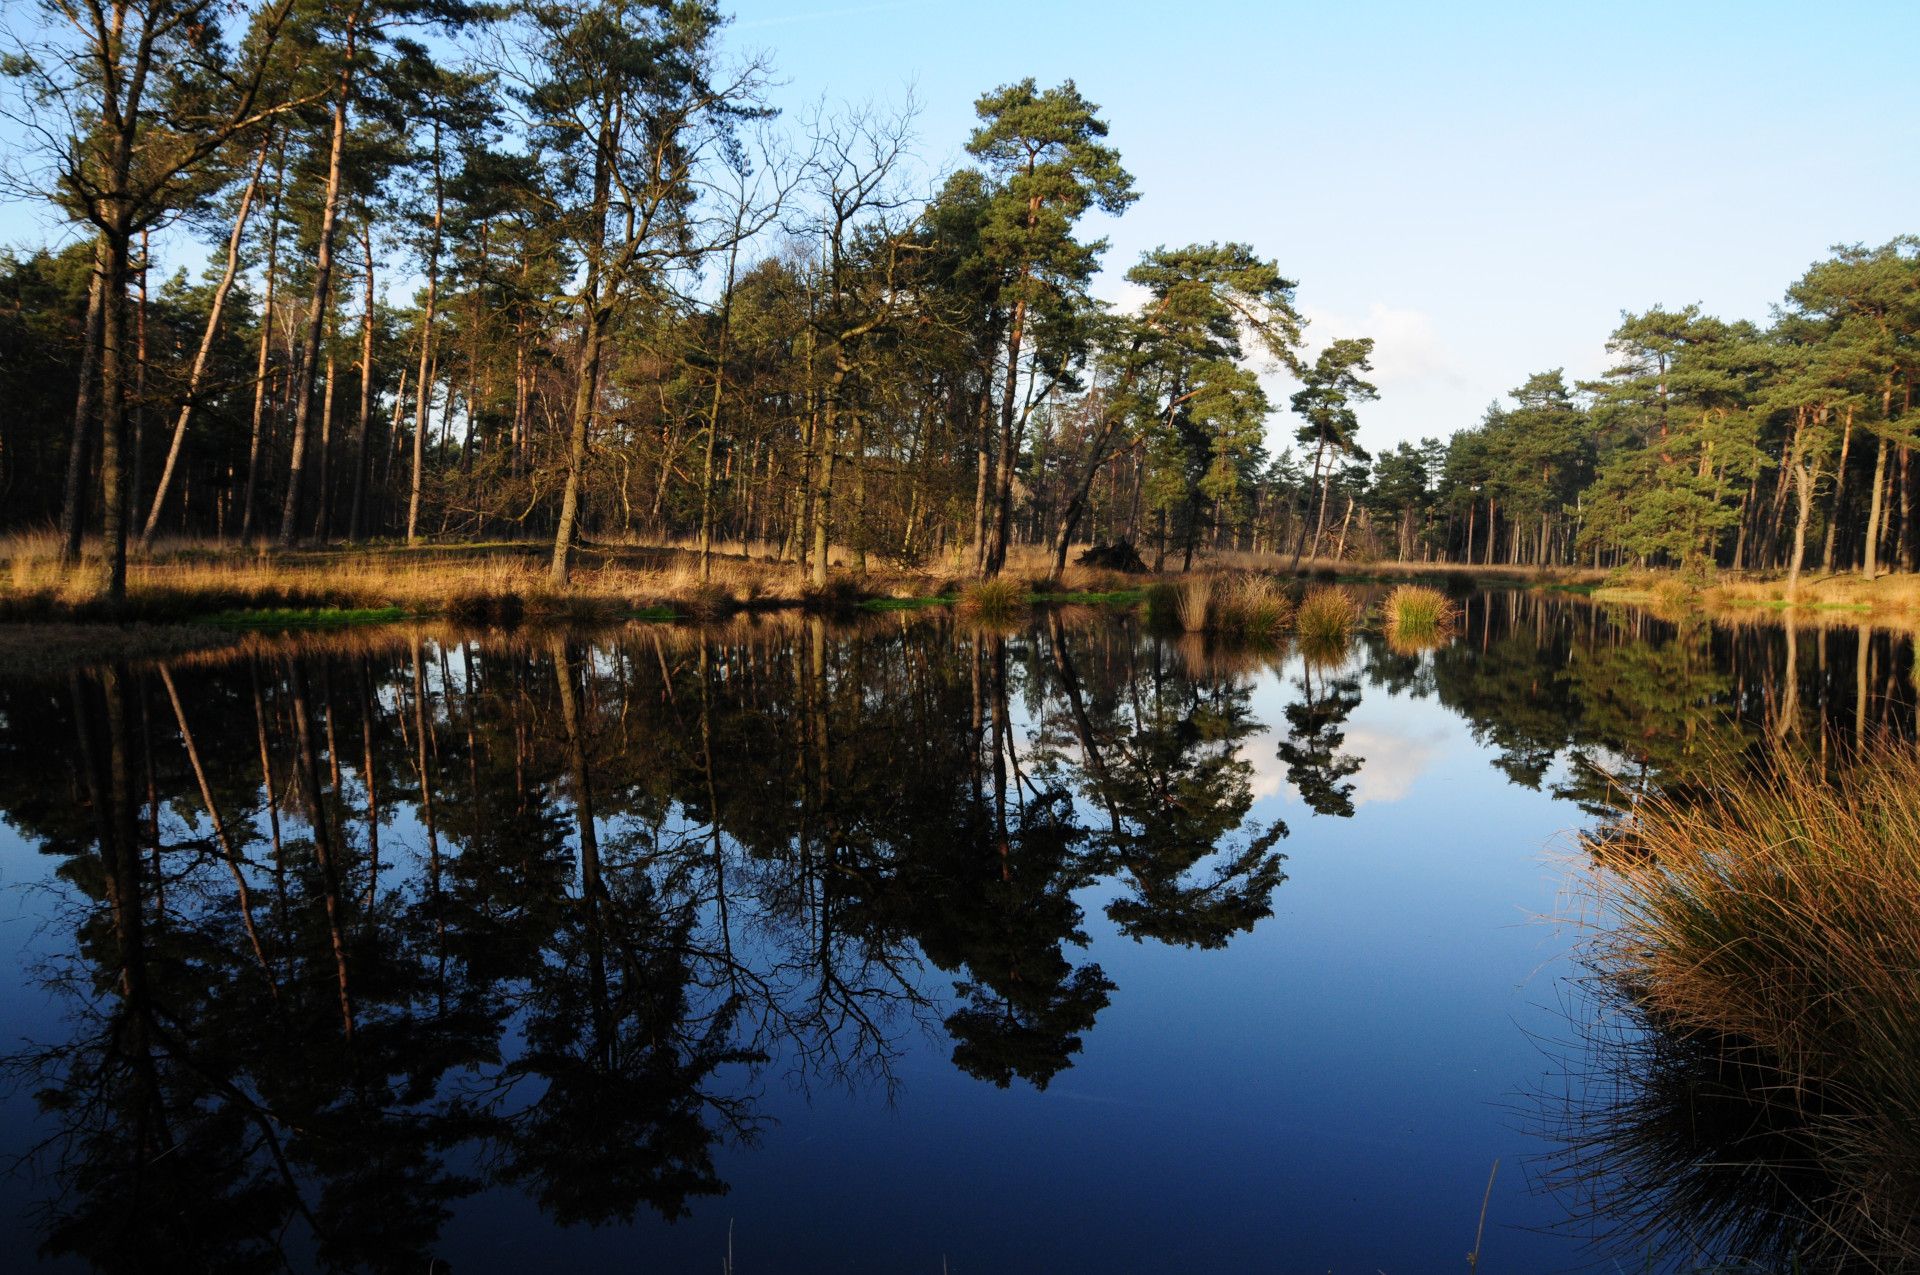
x=839, y=593
x=1119, y=556
x=707, y=600
x=481, y=606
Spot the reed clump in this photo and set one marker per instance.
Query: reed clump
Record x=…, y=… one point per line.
x=1327, y=615
x=995, y=598
x=1778, y=920
x=1418, y=613
x=1253, y=609
x=1193, y=602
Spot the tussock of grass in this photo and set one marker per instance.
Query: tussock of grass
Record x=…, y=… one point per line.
x=1192, y=600
x=1417, y=614
x=1244, y=607
x=1252, y=608
x=1327, y=614
x=995, y=598
x=1777, y=922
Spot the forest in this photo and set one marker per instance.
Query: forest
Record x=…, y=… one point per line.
x=559, y=274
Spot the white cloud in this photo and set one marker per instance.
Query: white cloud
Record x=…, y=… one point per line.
x=1408, y=353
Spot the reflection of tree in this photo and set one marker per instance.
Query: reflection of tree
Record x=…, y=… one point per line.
x=1649, y=713
x=315, y=888
x=611, y=1029
x=206, y=1108
x=1505, y=680
x=1624, y=700
x=994, y=902
x=1163, y=761
x=1316, y=728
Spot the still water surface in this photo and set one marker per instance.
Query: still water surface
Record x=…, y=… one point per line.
x=894, y=946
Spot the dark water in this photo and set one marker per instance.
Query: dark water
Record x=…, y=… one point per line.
x=894, y=946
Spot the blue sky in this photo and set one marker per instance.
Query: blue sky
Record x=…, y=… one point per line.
x=1480, y=187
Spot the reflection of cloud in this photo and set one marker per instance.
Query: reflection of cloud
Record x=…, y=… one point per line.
x=1391, y=762
x=1269, y=776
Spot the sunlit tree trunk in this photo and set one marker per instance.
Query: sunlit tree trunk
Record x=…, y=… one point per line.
x=73, y=508
x=309, y=356
x=424, y=392
x=199, y=366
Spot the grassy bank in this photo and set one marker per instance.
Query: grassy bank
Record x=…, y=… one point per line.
x=1771, y=936
x=507, y=582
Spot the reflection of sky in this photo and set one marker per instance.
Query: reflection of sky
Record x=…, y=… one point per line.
x=1326, y=1093
x=1396, y=742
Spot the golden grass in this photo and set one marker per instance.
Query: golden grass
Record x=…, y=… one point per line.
x=1417, y=615
x=1192, y=602
x=1327, y=614
x=1253, y=608
x=997, y=598
x=1776, y=918
x=482, y=581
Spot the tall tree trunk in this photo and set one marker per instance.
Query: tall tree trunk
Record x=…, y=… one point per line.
x=1839, y=493
x=138, y=444
x=322, y=287
x=826, y=445
x=425, y=390
x=1803, y=497
x=982, y=476
x=588, y=386
x=249, y=500
x=1300, y=536
x=1004, y=465
x=73, y=518
x=357, y=500
x=1871, y=563
x=713, y=410
x=323, y=497
x=113, y=485
x=206, y=347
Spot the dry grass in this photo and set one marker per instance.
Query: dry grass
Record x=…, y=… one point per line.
x=1249, y=608
x=1778, y=921
x=998, y=598
x=1192, y=602
x=495, y=581
x=1889, y=594
x=1417, y=615
x=1252, y=608
x=1327, y=614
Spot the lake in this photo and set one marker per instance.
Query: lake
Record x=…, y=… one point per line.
x=891, y=944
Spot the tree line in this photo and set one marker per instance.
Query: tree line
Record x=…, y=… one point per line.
x=1708, y=443
x=636, y=303
x=558, y=271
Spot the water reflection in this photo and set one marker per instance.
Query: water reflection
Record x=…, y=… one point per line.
x=360, y=926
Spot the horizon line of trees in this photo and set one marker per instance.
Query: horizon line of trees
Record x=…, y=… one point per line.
x=638, y=306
